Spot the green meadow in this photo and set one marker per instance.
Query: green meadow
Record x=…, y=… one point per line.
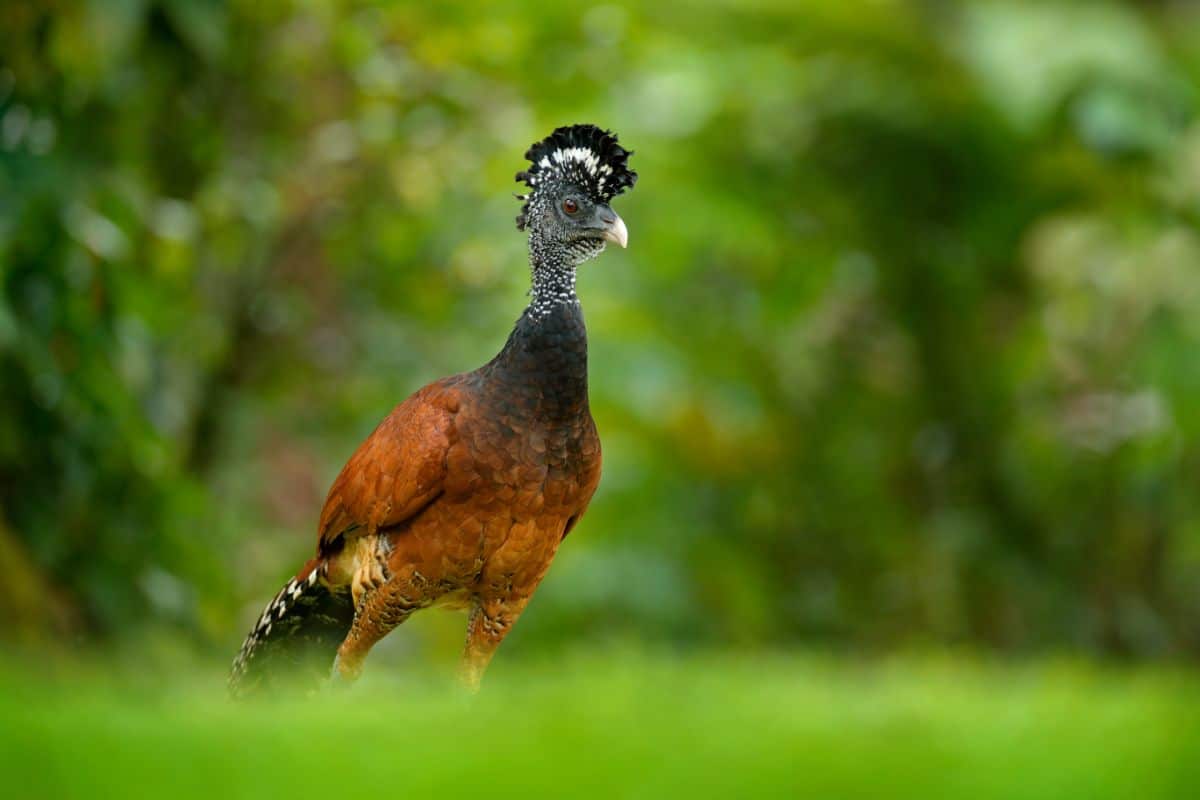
x=618, y=726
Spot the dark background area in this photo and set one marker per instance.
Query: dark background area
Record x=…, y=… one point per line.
x=902, y=351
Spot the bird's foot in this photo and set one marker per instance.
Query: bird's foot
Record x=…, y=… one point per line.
x=343, y=675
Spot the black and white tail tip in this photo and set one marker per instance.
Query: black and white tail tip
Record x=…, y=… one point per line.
x=275, y=611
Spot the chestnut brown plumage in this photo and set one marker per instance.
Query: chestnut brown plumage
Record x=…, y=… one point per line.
x=463, y=494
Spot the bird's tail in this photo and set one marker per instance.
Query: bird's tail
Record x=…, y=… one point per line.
x=297, y=635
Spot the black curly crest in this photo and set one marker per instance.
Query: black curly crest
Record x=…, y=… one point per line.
x=583, y=155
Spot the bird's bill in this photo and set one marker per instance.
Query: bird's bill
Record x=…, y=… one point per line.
x=616, y=231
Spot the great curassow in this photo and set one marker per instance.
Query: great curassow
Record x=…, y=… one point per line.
x=462, y=495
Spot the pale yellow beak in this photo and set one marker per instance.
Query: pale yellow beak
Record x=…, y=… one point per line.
x=617, y=232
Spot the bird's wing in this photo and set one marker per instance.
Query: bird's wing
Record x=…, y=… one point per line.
x=397, y=472
x=589, y=478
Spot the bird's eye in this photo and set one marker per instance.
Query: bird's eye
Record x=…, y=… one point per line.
x=570, y=206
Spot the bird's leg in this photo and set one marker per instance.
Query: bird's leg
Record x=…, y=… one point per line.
x=365, y=632
x=489, y=623
x=378, y=613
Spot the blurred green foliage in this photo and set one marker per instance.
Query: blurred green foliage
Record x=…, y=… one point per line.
x=903, y=348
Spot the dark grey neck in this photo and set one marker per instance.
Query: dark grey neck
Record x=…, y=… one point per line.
x=543, y=366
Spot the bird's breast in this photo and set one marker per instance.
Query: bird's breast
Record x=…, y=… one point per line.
x=512, y=485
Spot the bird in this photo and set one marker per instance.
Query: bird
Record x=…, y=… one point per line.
x=463, y=494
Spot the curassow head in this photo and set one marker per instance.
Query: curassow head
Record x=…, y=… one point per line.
x=575, y=172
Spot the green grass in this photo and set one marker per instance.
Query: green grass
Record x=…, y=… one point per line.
x=617, y=727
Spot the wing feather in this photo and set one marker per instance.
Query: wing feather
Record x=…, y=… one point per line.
x=397, y=472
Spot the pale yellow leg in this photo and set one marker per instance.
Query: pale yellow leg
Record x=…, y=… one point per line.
x=489, y=623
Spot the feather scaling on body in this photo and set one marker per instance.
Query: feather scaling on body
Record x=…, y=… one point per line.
x=463, y=494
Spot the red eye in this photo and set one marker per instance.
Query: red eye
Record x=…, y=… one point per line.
x=570, y=206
